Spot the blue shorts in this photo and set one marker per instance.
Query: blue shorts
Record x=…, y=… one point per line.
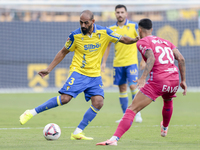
x=77, y=83
x=122, y=74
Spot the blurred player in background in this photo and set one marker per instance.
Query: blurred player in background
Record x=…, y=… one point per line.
x=125, y=63
x=88, y=43
x=159, y=55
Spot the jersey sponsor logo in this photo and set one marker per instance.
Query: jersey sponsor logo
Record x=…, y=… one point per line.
x=92, y=47
x=169, y=89
x=171, y=70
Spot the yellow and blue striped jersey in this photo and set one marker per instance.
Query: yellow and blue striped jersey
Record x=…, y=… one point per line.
x=125, y=55
x=89, y=49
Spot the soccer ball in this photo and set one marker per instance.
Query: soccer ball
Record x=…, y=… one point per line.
x=51, y=131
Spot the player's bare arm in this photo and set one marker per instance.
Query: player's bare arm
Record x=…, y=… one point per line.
x=142, y=64
x=128, y=40
x=149, y=65
x=181, y=65
x=105, y=57
x=58, y=58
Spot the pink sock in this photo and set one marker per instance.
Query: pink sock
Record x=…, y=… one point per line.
x=167, y=112
x=125, y=123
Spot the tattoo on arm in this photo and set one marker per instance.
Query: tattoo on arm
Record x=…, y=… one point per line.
x=149, y=63
x=176, y=55
x=181, y=63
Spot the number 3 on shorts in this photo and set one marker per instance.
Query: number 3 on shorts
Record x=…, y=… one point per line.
x=72, y=81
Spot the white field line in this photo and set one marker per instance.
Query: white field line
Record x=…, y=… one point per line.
x=134, y=126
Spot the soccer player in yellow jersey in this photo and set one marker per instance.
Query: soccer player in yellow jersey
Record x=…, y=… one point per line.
x=88, y=43
x=125, y=63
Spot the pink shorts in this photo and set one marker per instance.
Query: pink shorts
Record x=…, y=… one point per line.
x=166, y=89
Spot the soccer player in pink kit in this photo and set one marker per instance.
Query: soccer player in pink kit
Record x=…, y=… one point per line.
x=159, y=55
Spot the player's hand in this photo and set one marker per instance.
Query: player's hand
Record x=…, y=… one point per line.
x=140, y=83
x=137, y=38
x=43, y=72
x=103, y=66
x=184, y=87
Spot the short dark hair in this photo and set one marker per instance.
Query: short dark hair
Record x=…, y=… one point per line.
x=145, y=23
x=121, y=6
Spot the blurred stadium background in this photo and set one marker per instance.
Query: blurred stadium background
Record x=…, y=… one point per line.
x=32, y=32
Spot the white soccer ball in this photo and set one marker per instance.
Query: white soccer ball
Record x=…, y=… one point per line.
x=51, y=131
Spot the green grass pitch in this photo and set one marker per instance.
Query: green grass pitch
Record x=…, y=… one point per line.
x=183, y=134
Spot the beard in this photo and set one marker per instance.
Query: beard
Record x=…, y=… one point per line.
x=86, y=30
x=120, y=19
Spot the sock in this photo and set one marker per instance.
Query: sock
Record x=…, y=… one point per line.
x=114, y=138
x=51, y=103
x=77, y=131
x=88, y=117
x=33, y=112
x=123, y=98
x=167, y=112
x=125, y=123
x=134, y=92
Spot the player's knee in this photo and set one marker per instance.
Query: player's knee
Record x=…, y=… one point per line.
x=98, y=102
x=133, y=86
x=65, y=98
x=123, y=88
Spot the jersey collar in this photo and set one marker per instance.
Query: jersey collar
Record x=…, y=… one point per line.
x=95, y=28
x=126, y=22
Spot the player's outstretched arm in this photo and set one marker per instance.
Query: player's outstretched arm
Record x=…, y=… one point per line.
x=149, y=65
x=105, y=57
x=58, y=58
x=181, y=65
x=128, y=40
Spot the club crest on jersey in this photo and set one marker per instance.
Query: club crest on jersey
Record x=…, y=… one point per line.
x=133, y=72
x=99, y=35
x=128, y=27
x=82, y=38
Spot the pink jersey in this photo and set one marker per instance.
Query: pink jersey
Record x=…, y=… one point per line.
x=164, y=67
